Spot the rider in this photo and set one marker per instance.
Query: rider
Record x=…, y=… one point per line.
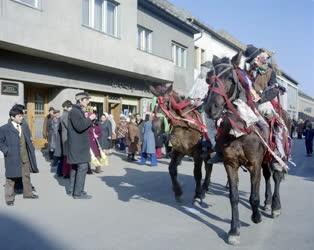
x=261, y=78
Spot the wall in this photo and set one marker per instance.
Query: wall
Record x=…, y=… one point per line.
x=163, y=35
x=56, y=31
x=7, y=101
x=306, y=106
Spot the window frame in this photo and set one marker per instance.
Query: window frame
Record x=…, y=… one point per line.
x=141, y=36
x=175, y=47
x=104, y=17
x=37, y=4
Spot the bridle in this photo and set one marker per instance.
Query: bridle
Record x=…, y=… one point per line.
x=218, y=86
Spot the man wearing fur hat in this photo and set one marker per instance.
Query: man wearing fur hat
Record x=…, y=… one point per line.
x=19, y=155
x=78, y=145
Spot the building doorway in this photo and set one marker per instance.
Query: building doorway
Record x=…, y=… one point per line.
x=36, y=104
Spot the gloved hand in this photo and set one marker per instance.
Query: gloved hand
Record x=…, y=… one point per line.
x=282, y=89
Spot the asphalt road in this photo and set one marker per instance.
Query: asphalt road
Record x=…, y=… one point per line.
x=133, y=208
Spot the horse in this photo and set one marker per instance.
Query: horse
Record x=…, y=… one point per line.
x=246, y=150
x=185, y=140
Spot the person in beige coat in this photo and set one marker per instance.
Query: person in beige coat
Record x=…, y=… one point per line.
x=132, y=139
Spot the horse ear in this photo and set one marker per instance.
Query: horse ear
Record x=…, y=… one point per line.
x=215, y=60
x=236, y=59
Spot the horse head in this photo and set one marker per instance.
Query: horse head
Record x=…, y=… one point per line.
x=223, y=85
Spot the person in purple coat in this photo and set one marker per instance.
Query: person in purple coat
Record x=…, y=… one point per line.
x=94, y=133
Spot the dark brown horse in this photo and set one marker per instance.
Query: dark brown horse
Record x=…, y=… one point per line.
x=247, y=150
x=185, y=140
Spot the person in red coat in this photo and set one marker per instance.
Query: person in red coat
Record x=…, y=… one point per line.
x=94, y=133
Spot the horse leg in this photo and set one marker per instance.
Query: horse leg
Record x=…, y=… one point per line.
x=173, y=171
x=268, y=193
x=276, y=205
x=234, y=233
x=198, y=179
x=255, y=196
x=208, y=174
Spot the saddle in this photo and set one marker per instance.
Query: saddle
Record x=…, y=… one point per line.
x=182, y=112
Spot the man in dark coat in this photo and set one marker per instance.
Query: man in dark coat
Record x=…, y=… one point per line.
x=66, y=168
x=19, y=155
x=47, y=130
x=78, y=145
x=106, y=133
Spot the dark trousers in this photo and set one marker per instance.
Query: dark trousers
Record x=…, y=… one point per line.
x=9, y=194
x=309, y=146
x=77, y=178
x=121, y=144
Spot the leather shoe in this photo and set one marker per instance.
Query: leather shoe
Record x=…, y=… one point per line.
x=82, y=197
x=33, y=196
x=10, y=203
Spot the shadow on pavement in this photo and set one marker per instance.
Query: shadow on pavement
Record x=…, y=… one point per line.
x=137, y=184
x=15, y=235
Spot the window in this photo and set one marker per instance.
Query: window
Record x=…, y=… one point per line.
x=101, y=15
x=144, y=39
x=32, y=3
x=197, y=58
x=179, y=55
x=203, y=56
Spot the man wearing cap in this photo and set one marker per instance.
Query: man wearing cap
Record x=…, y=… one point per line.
x=78, y=145
x=19, y=155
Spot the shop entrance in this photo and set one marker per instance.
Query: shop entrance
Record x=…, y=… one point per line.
x=36, y=104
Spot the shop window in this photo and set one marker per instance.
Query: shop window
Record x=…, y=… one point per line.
x=129, y=109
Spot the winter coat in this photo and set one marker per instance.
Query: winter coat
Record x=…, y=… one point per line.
x=64, y=132
x=78, y=143
x=10, y=147
x=122, y=129
x=140, y=128
x=56, y=144
x=50, y=133
x=133, y=138
x=308, y=134
x=94, y=133
x=148, y=145
x=106, y=132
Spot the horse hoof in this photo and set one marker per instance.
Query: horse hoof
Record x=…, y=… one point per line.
x=197, y=199
x=267, y=208
x=234, y=240
x=276, y=213
x=257, y=218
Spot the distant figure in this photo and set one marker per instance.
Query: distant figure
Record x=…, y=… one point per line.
x=56, y=143
x=106, y=133
x=300, y=128
x=148, y=147
x=47, y=130
x=121, y=131
x=132, y=139
x=308, y=135
x=66, y=168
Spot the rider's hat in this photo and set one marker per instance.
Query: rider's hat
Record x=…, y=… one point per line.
x=251, y=52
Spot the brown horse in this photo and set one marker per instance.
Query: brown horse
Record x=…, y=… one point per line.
x=185, y=140
x=247, y=150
